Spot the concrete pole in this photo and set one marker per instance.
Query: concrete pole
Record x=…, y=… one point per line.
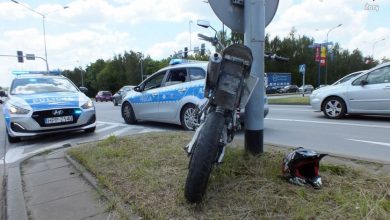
x=254, y=37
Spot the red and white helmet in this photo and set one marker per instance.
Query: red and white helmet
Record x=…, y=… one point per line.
x=302, y=166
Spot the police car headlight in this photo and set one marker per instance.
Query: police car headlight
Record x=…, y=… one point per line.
x=87, y=105
x=17, y=110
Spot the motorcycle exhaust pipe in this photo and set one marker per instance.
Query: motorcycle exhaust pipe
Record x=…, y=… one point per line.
x=213, y=69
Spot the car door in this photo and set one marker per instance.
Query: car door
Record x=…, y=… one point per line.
x=370, y=93
x=145, y=104
x=175, y=88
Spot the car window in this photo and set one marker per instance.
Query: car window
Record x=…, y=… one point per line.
x=154, y=81
x=197, y=73
x=176, y=76
x=346, y=78
x=24, y=86
x=377, y=76
x=106, y=93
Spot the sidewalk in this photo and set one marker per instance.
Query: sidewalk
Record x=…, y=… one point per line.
x=53, y=189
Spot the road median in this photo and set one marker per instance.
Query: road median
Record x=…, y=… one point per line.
x=148, y=171
x=296, y=100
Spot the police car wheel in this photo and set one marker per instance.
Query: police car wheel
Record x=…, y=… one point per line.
x=189, y=117
x=128, y=113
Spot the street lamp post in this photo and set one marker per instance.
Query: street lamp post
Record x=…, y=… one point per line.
x=326, y=55
x=373, y=46
x=189, y=24
x=142, y=69
x=43, y=25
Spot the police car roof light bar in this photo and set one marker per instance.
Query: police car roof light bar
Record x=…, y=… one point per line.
x=43, y=72
x=176, y=61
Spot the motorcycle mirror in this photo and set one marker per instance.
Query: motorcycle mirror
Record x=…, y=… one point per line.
x=203, y=23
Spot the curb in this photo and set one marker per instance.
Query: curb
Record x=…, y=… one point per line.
x=16, y=204
x=91, y=180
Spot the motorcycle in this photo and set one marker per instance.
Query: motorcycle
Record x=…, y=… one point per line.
x=228, y=88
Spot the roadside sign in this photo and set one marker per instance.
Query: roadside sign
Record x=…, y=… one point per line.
x=30, y=56
x=302, y=68
x=231, y=13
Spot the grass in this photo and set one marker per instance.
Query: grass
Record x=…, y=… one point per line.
x=148, y=173
x=291, y=100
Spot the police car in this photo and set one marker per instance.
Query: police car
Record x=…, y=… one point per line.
x=171, y=95
x=42, y=104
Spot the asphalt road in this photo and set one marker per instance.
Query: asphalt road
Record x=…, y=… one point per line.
x=364, y=137
x=286, y=125
x=357, y=136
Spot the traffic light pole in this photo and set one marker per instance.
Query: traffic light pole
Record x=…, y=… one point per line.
x=254, y=37
x=47, y=66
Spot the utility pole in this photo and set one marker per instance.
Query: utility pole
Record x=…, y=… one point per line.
x=326, y=60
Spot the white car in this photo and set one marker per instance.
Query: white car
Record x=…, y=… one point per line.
x=41, y=104
x=171, y=95
x=366, y=92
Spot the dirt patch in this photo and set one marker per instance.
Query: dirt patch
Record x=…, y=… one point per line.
x=148, y=172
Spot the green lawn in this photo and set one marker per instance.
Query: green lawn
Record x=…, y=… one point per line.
x=147, y=172
x=291, y=100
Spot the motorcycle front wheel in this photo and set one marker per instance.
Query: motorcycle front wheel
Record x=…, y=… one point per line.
x=203, y=157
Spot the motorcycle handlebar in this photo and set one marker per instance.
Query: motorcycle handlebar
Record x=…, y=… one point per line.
x=206, y=38
x=275, y=57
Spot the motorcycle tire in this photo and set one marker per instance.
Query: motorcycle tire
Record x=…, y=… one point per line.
x=203, y=158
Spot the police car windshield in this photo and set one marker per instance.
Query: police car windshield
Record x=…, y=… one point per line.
x=25, y=86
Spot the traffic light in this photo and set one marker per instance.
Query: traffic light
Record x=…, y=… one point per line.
x=20, y=56
x=202, y=49
x=185, y=52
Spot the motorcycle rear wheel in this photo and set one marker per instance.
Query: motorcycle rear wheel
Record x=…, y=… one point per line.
x=203, y=157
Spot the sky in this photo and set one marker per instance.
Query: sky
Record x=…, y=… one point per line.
x=88, y=30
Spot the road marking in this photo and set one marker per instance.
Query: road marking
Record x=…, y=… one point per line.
x=111, y=123
x=106, y=128
x=330, y=123
x=371, y=142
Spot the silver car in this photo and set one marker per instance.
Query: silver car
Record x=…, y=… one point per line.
x=44, y=104
x=367, y=92
x=171, y=95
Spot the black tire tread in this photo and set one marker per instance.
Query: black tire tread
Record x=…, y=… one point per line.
x=203, y=158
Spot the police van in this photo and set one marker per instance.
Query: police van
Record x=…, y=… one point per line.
x=171, y=95
x=40, y=104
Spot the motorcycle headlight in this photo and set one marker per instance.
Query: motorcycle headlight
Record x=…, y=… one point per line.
x=87, y=105
x=18, y=110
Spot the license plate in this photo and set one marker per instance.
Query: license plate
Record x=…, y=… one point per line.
x=56, y=120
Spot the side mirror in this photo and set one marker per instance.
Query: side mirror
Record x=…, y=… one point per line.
x=363, y=82
x=83, y=89
x=137, y=89
x=203, y=23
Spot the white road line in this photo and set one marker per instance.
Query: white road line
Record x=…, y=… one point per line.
x=111, y=123
x=371, y=142
x=329, y=123
x=106, y=128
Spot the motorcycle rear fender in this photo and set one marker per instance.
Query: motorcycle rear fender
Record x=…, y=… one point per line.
x=249, y=86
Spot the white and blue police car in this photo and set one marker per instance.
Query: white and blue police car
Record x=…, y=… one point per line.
x=171, y=95
x=41, y=104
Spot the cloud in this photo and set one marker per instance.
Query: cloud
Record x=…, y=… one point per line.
x=95, y=29
x=315, y=18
